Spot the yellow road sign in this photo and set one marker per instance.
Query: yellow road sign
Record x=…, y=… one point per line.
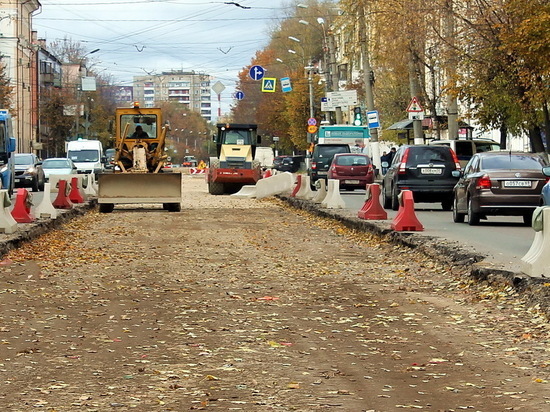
x=268, y=84
x=311, y=129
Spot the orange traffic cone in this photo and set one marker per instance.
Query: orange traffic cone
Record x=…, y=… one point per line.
x=406, y=219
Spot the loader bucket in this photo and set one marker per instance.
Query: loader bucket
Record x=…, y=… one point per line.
x=134, y=188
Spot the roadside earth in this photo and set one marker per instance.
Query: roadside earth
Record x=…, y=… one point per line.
x=251, y=305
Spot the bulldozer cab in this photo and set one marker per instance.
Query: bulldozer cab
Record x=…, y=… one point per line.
x=140, y=139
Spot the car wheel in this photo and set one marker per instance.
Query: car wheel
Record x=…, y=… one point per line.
x=447, y=204
x=394, y=199
x=473, y=217
x=41, y=186
x=457, y=217
x=386, y=200
x=35, y=185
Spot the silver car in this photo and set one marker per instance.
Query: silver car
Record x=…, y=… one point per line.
x=58, y=166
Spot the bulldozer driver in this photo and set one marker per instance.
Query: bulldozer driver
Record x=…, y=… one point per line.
x=139, y=133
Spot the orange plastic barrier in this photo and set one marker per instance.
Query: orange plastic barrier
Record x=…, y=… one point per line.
x=22, y=210
x=62, y=200
x=406, y=219
x=75, y=196
x=372, y=209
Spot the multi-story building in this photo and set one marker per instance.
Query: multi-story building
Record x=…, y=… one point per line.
x=189, y=88
x=47, y=76
x=17, y=54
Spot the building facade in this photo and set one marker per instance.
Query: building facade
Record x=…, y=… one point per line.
x=18, y=53
x=189, y=88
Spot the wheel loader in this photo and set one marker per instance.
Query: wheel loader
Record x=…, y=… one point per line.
x=138, y=176
x=234, y=165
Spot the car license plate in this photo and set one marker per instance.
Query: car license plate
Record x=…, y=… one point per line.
x=517, y=183
x=351, y=182
x=430, y=171
x=322, y=173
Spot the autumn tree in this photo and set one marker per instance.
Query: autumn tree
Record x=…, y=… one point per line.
x=6, y=89
x=506, y=66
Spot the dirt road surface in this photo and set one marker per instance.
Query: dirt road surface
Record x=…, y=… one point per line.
x=250, y=305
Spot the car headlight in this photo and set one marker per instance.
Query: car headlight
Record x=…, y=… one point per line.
x=3, y=168
x=31, y=169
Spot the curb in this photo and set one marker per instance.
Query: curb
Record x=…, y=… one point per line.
x=536, y=291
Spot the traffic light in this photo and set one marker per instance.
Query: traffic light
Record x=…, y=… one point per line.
x=357, y=116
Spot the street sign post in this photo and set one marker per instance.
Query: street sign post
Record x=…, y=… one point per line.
x=256, y=72
x=373, y=120
x=268, y=84
x=286, y=86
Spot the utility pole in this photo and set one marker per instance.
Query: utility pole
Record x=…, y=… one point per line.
x=333, y=73
x=415, y=91
x=368, y=79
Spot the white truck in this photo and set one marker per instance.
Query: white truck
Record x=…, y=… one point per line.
x=265, y=156
x=87, y=155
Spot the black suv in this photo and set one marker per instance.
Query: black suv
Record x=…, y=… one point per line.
x=424, y=170
x=322, y=158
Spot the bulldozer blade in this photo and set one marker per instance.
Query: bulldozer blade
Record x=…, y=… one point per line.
x=126, y=188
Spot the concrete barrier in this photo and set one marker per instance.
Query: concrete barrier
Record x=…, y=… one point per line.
x=83, y=181
x=246, y=192
x=536, y=262
x=7, y=223
x=321, y=191
x=274, y=185
x=305, y=191
x=45, y=208
x=333, y=199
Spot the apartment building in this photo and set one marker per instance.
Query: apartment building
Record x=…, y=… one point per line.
x=17, y=54
x=189, y=88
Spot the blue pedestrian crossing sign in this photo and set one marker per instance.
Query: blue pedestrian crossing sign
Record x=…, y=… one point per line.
x=256, y=72
x=268, y=84
x=285, y=84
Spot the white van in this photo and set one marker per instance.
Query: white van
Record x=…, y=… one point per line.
x=465, y=149
x=87, y=155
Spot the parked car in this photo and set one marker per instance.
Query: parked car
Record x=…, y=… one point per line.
x=545, y=194
x=278, y=161
x=499, y=183
x=425, y=170
x=353, y=170
x=289, y=164
x=322, y=158
x=58, y=166
x=29, y=172
x=465, y=149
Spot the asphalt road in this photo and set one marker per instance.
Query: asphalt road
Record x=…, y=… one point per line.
x=504, y=239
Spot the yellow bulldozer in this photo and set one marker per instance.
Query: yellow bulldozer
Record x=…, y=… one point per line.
x=138, y=176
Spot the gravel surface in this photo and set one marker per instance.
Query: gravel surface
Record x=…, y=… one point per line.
x=252, y=305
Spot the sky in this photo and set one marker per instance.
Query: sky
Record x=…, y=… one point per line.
x=139, y=37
